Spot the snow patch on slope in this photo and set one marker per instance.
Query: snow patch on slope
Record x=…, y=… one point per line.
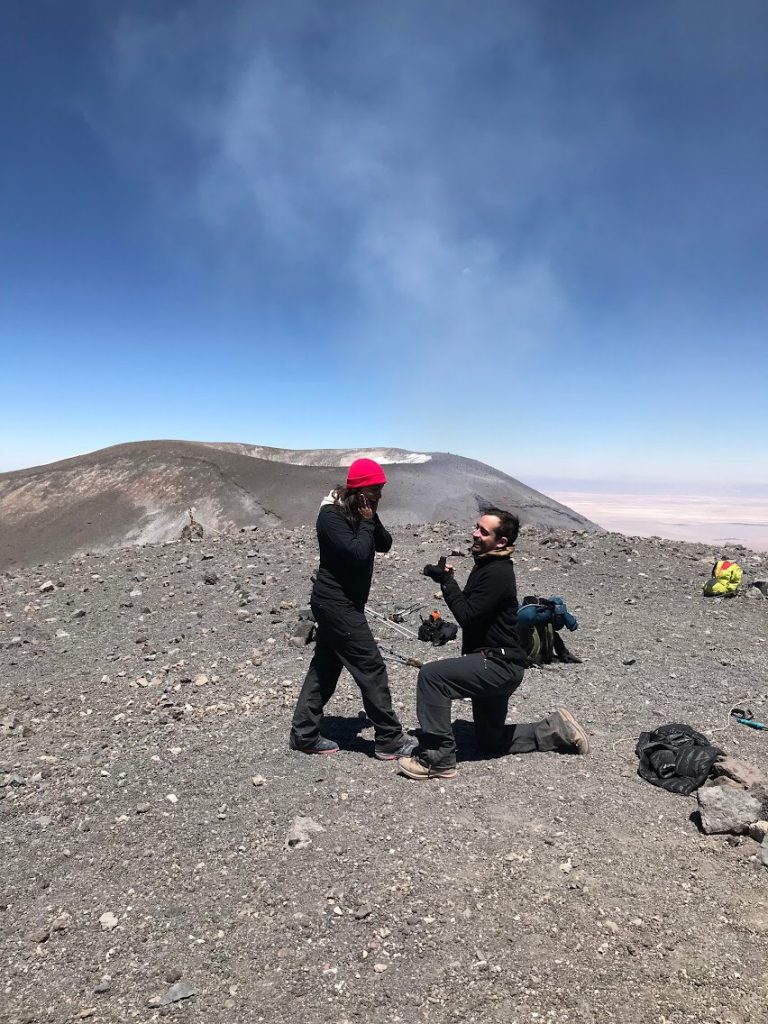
x=324, y=456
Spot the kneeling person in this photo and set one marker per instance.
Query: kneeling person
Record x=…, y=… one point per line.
x=491, y=667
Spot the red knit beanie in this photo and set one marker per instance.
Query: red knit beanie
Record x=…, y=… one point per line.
x=365, y=473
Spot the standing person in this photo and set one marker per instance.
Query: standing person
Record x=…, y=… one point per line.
x=349, y=533
x=491, y=667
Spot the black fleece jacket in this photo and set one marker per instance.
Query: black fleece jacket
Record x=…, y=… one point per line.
x=486, y=609
x=346, y=556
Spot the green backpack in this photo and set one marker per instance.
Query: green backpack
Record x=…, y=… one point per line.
x=538, y=622
x=538, y=643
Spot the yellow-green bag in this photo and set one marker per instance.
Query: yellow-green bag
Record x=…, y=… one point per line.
x=725, y=579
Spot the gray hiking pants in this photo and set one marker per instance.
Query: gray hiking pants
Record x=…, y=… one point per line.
x=344, y=640
x=489, y=683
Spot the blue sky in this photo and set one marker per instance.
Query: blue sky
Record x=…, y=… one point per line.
x=532, y=233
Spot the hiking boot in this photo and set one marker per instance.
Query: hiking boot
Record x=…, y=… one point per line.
x=405, y=749
x=319, y=746
x=565, y=728
x=415, y=769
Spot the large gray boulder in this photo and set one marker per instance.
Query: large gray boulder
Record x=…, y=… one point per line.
x=724, y=809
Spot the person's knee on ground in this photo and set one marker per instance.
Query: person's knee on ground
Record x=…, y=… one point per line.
x=489, y=715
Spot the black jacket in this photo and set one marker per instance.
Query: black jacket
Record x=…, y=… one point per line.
x=675, y=757
x=486, y=609
x=346, y=556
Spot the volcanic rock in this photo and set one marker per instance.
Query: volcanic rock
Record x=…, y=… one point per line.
x=727, y=810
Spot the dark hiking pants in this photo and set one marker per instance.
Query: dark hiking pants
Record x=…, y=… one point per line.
x=344, y=640
x=489, y=683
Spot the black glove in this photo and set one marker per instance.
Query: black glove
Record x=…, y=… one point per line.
x=562, y=653
x=438, y=572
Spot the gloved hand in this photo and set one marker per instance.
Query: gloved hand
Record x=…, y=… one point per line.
x=571, y=621
x=438, y=572
x=561, y=616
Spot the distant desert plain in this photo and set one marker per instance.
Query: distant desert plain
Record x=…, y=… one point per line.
x=707, y=519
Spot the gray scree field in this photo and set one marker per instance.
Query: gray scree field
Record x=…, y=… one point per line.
x=151, y=864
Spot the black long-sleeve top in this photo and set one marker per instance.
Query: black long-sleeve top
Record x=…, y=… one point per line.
x=347, y=552
x=486, y=609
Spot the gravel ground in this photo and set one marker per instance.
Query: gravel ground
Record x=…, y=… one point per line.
x=147, y=793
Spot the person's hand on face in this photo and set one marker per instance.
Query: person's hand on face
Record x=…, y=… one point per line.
x=368, y=502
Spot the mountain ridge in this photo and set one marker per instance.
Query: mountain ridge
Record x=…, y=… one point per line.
x=140, y=492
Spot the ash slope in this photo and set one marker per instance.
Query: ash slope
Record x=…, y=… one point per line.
x=535, y=888
x=139, y=493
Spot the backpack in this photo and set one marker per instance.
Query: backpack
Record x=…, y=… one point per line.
x=725, y=579
x=539, y=620
x=436, y=631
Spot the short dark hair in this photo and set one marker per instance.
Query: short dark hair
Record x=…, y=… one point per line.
x=509, y=524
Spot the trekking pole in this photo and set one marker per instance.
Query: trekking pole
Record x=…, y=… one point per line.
x=393, y=655
x=402, y=630
x=400, y=614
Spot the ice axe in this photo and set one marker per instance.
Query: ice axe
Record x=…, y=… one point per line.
x=744, y=717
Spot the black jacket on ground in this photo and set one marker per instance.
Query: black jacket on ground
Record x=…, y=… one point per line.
x=346, y=556
x=486, y=609
x=675, y=757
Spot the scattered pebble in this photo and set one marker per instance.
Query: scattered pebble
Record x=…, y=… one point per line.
x=181, y=990
x=300, y=833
